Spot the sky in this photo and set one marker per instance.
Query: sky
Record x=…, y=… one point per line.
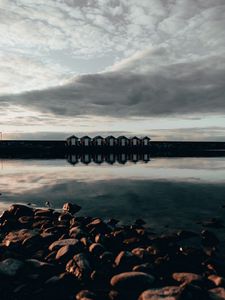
x=154, y=67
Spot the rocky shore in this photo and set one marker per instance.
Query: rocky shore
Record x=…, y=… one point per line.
x=49, y=254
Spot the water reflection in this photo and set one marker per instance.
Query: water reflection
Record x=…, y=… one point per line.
x=174, y=192
x=110, y=158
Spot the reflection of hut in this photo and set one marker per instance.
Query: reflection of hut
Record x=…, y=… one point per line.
x=98, y=141
x=110, y=141
x=72, y=141
x=85, y=141
x=146, y=141
x=122, y=141
x=98, y=159
x=86, y=158
x=134, y=157
x=111, y=158
x=146, y=157
x=73, y=159
x=122, y=158
x=135, y=141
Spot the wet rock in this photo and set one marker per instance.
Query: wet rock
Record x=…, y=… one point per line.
x=96, y=249
x=187, y=277
x=11, y=267
x=77, y=232
x=15, y=238
x=126, y=260
x=86, y=294
x=138, y=281
x=71, y=208
x=68, y=251
x=217, y=280
x=167, y=293
x=217, y=294
x=65, y=242
x=19, y=210
x=80, y=267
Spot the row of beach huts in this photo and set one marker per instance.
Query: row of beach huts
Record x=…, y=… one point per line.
x=109, y=141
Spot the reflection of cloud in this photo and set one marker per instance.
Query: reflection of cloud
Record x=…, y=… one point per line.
x=178, y=204
x=21, y=177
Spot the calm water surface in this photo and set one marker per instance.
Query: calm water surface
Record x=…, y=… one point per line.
x=174, y=192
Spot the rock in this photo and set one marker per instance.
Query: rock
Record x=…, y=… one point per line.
x=217, y=293
x=71, y=208
x=96, y=249
x=80, y=267
x=68, y=251
x=77, y=232
x=19, y=210
x=165, y=293
x=17, y=237
x=65, y=242
x=137, y=281
x=186, y=277
x=86, y=294
x=11, y=267
x=126, y=260
x=217, y=280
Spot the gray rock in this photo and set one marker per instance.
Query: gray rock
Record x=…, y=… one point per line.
x=217, y=293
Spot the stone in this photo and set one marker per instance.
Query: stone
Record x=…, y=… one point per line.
x=96, y=249
x=139, y=281
x=68, y=251
x=80, y=267
x=185, y=277
x=126, y=259
x=71, y=208
x=65, y=242
x=217, y=294
x=217, y=280
x=165, y=293
x=11, y=267
x=86, y=294
x=20, y=210
x=17, y=237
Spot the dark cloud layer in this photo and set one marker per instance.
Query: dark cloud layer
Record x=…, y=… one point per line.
x=181, y=88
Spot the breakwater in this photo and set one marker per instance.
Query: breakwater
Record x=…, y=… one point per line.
x=60, y=149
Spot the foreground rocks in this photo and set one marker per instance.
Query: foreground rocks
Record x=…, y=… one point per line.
x=48, y=254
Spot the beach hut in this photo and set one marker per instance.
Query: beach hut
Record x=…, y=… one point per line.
x=122, y=141
x=98, y=141
x=110, y=141
x=72, y=141
x=134, y=157
x=73, y=159
x=135, y=141
x=146, y=141
x=85, y=141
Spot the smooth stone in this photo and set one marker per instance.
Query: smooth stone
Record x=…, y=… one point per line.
x=79, y=266
x=96, y=249
x=217, y=280
x=85, y=294
x=19, y=236
x=137, y=280
x=60, y=243
x=20, y=210
x=10, y=267
x=165, y=293
x=68, y=251
x=71, y=208
x=185, y=277
x=126, y=259
x=217, y=293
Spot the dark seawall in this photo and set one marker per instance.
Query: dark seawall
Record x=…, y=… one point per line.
x=59, y=149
